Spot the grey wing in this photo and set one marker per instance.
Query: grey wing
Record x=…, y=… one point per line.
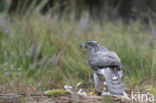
x=104, y=59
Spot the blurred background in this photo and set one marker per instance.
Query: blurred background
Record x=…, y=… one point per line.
x=39, y=42
x=99, y=10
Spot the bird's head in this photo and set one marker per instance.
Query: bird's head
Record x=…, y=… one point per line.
x=89, y=45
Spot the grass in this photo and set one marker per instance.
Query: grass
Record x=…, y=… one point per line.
x=41, y=52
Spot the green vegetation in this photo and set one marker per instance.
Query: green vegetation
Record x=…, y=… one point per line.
x=40, y=44
x=56, y=92
x=42, y=52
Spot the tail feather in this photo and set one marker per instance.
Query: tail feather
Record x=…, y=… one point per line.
x=114, y=82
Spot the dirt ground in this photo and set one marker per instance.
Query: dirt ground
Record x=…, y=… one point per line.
x=68, y=98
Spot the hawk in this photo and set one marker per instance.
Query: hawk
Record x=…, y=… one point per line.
x=107, y=63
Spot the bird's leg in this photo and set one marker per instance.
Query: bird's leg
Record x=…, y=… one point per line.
x=96, y=82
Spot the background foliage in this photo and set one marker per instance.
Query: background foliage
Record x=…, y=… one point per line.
x=39, y=42
x=98, y=9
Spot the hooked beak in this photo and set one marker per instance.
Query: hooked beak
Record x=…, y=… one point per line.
x=83, y=45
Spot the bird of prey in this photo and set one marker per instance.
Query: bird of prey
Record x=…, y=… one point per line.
x=107, y=63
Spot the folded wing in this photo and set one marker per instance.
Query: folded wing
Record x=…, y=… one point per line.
x=102, y=59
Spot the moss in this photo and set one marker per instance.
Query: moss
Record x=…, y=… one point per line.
x=150, y=89
x=153, y=91
x=56, y=92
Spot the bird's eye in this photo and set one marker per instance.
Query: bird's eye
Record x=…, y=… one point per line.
x=88, y=43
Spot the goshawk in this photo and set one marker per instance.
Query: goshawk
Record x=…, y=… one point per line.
x=107, y=63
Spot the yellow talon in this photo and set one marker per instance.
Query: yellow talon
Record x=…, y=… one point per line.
x=93, y=92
